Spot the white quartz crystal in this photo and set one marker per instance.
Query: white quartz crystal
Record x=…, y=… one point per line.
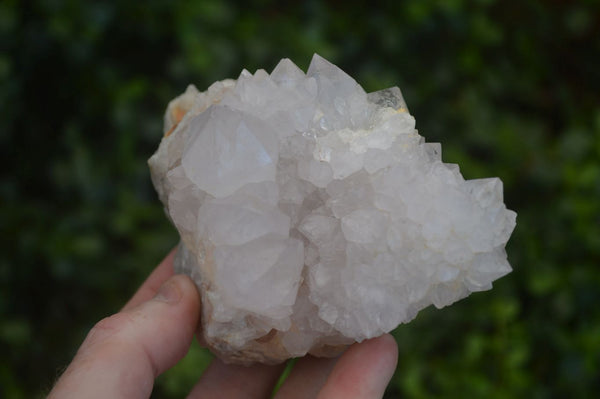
x=312, y=214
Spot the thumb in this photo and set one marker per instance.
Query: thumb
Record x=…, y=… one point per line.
x=124, y=353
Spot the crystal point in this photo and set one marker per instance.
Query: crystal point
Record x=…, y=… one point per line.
x=286, y=73
x=391, y=98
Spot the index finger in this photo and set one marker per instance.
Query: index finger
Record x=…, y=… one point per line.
x=149, y=288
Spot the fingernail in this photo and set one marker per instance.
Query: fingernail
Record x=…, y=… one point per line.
x=169, y=292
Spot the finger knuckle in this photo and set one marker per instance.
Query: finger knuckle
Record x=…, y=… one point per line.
x=110, y=326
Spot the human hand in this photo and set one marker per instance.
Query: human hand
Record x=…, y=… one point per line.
x=124, y=353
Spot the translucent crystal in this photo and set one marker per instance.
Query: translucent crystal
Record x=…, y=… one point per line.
x=313, y=215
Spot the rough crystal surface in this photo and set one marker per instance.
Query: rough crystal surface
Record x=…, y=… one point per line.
x=313, y=215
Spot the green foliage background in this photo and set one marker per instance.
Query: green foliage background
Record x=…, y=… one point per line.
x=510, y=88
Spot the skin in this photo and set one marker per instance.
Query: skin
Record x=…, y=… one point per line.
x=124, y=353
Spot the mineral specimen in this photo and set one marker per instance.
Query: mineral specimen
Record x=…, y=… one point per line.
x=313, y=215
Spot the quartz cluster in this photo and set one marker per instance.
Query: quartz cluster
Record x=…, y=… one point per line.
x=312, y=214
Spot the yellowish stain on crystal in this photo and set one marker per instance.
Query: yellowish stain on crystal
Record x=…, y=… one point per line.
x=177, y=114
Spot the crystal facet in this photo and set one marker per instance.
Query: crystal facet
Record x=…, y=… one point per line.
x=313, y=215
